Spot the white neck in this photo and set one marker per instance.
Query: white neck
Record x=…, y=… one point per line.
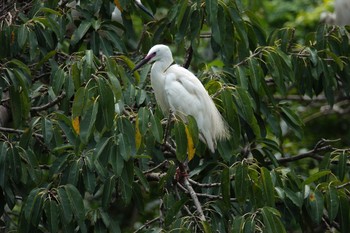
x=157, y=81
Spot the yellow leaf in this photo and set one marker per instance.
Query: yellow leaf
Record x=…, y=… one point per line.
x=76, y=124
x=138, y=135
x=116, y=2
x=191, y=150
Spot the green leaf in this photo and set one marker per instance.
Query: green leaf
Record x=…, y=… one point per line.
x=238, y=224
x=3, y=173
x=293, y=120
x=142, y=179
x=315, y=177
x=181, y=141
x=241, y=182
x=143, y=118
x=211, y=7
x=79, y=102
x=58, y=79
x=77, y=205
x=106, y=101
x=295, y=197
x=116, y=160
x=108, y=188
x=88, y=121
x=242, y=79
x=272, y=221
x=47, y=129
x=115, y=86
x=332, y=202
x=173, y=210
x=249, y=225
x=231, y=115
x=22, y=35
x=344, y=213
x=65, y=207
x=127, y=179
x=268, y=188
x=342, y=166
x=30, y=204
x=226, y=186
x=100, y=147
x=51, y=212
x=246, y=108
x=315, y=206
x=81, y=31
x=156, y=128
x=89, y=179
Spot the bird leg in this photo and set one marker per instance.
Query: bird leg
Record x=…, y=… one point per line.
x=167, y=127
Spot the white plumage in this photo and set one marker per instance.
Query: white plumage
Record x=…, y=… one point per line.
x=341, y=15
x=342, y=12
x=179, y=90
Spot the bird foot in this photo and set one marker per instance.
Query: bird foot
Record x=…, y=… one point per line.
x=180, y=175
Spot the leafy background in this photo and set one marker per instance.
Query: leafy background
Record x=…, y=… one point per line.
x=81, y=137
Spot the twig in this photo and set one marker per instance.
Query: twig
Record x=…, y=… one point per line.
x=192, y=193
x=247, y=59
x=203, y=185
x=164, y=163
x=167, y=127
x=19, y=131
x=188, y=57
x=147, y=224
x=343, y=185
x=168, y=148
x=154, y=176
x=309, y=154
x=49, y=104
x=214, y=197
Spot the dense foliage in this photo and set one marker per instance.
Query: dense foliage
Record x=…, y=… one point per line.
x=82, y=140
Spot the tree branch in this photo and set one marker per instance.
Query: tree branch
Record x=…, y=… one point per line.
x=49, y=104
x=19, y=131
x=147, y=224
x=211, y=185
x=319, y=147
x=188, y=57
x=192, y=193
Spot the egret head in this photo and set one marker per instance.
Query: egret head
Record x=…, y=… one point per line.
x=158, y=52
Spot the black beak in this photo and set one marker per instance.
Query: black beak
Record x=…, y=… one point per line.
x=143, y=61
x=144, y=9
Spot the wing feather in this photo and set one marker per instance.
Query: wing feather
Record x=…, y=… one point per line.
x=187, y=96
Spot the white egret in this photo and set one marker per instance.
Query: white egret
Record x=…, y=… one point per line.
x=178, y=90
x=341, y=15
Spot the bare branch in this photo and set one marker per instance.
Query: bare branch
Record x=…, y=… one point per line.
x=18, y=131
x=154, y=176
x=204, y=185
x=188, y=57
x=164, y=163
x=147, y=224
x=343, y=185
x=192, y=193
x=309, y=154
x=49, y=104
